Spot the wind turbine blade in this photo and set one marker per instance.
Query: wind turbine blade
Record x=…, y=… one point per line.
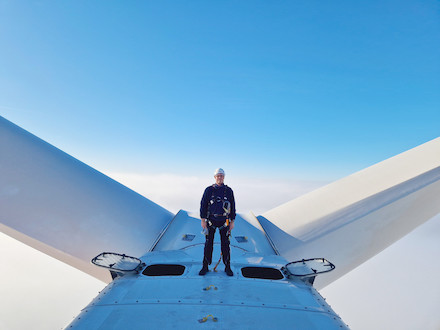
x=66, y=209
x=351, y=220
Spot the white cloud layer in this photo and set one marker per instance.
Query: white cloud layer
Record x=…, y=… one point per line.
x=176, y=192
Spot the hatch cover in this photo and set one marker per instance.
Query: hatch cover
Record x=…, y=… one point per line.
x=309, y=267
x=116, y=261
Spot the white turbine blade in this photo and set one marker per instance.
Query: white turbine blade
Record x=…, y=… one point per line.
x=66, y=209
x=351, y=220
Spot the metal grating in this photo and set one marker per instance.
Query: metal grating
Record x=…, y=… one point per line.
x=265, y=273
x=164, y=270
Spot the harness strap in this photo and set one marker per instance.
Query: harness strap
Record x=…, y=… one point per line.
x=226, y=203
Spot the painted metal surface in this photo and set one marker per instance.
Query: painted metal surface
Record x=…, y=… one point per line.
x=189, y=224
x=64, y=208
x=182, y=302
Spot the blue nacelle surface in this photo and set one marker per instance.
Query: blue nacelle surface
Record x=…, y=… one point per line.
x=187, y=300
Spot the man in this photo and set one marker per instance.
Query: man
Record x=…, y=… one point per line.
x=217, y=210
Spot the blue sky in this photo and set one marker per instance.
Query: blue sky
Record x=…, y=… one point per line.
x=296, y=89
x=283, y=91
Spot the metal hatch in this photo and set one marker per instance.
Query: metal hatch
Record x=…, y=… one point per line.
x=117, y=262
x=309, y=267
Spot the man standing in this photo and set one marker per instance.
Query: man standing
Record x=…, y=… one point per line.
x=217, y=210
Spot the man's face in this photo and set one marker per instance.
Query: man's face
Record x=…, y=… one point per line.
x=219, y=178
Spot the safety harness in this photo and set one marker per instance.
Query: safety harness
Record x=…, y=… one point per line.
x=226, y=206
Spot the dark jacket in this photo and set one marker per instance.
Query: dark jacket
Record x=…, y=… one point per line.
x=212, y=201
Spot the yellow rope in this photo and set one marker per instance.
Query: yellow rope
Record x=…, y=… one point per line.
x=214, y=319
x=209, y=287
x=218, y=262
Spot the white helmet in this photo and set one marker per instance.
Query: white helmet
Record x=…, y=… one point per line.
x=219, y=171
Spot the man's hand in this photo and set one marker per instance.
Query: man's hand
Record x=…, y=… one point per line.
x=231, y=225
x=204, y=224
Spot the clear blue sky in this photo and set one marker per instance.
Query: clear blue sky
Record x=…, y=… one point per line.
x=305, y=89
x=299, y=89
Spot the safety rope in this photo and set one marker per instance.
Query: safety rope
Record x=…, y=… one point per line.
x=209, y=288
x=214, y=319
x=218, y=262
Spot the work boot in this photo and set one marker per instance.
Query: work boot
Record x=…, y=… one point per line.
x=228, y=270
x=204, y=270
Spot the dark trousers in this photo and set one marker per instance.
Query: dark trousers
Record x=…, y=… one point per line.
x=224, y=239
